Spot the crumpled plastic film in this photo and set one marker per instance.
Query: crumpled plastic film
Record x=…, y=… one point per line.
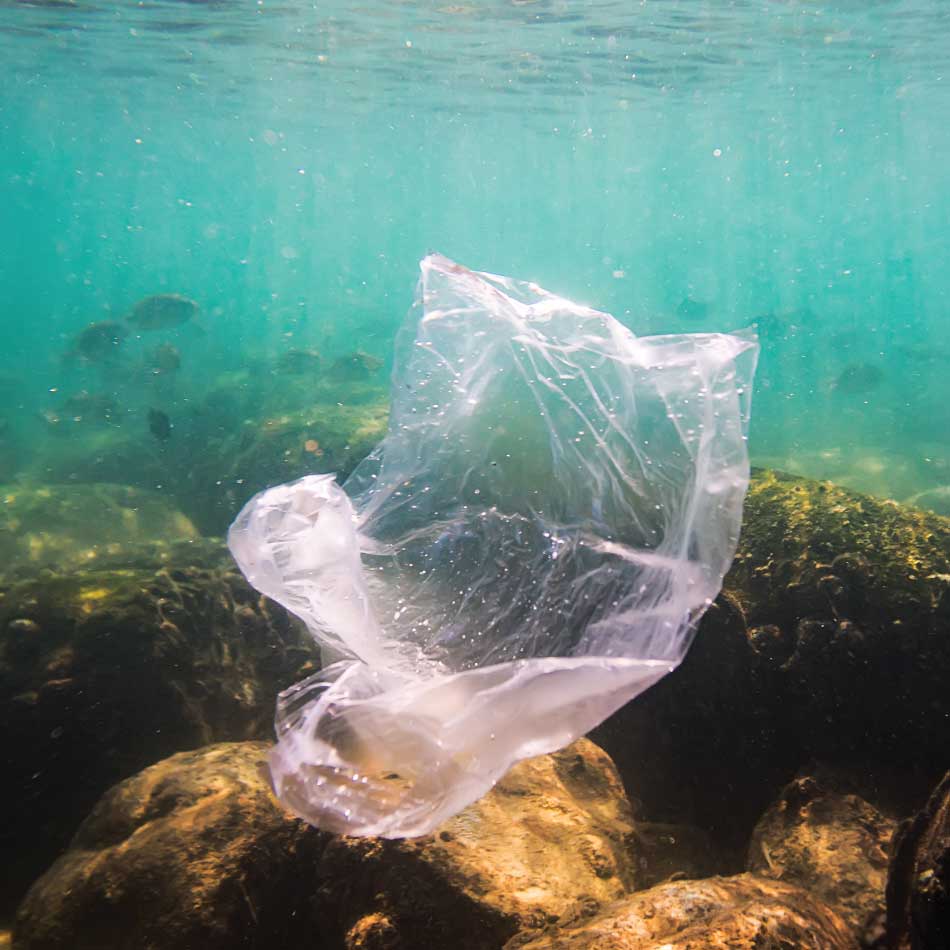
x=530, y=547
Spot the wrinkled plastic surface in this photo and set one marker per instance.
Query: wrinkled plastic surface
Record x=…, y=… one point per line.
x=529, y=547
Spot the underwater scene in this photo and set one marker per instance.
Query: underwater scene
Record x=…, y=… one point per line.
x=475, y=475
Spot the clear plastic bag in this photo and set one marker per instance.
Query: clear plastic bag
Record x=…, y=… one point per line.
x=529, y=548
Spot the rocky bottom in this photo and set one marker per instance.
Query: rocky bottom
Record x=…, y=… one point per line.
x=772, y=792
x=195, y=852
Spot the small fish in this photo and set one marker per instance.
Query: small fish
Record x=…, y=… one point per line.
x=690, y=309
x=162, y=312
x=782, y=324
x=858, y=378
x=298, y=361
x=159, y=425
x=356, y=367
x=99, y=341
x=163, y=359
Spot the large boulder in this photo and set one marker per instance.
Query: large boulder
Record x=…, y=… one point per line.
x=831, y=842
x=830, y=641
x=918, y=886
x=103, y=672
x=193, y=852
x=744, y=912
x=555, y=830
x=190, y=853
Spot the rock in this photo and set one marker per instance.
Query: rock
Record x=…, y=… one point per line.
x=192, y=852
x=556, y=830
x=105, y=672
x=67, y=526
x=833, y=844
x=745, y=912
x=830, y=642
x=273, y=449
x=918, y=886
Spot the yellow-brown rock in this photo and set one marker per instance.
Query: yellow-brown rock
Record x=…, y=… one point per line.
x=557, y=830
x=195, y=852
x=190, y=853
x=745, y=912
x=832, y=843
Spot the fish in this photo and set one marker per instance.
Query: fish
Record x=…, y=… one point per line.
x=159, y=425
x=99, y=341
x=162, y=312
x=858, y=378
x=356, y=367
x=163, y=359
x=690, y=309
x=298, y=361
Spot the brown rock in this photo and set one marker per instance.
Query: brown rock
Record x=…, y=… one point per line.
x=105, y=672
x=556, y=830
x=745, y=912
x=190, y=853
x=194, y=852
x=833, y=844
x=918, y=887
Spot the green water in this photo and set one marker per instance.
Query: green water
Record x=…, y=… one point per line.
x=287, y=164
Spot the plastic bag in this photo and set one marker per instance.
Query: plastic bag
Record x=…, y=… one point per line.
x=529, y=548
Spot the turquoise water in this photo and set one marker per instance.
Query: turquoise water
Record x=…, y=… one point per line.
x=684, y=165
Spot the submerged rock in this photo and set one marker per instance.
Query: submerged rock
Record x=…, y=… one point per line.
x=745, y=912
x=555, y=830
x=67, y=526
x=832, y=843
x=918, y=886
x=194, y=851
x=830, y=641
x=104, y=672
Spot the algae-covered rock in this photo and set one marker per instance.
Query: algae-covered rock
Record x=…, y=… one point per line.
x=104, y=672
x=279, y=448
x=65, y=526
x=195, y=852
x=832, y=843
x=745, y=912
x=192, y=852
x=830, y=641
x=918, y=886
